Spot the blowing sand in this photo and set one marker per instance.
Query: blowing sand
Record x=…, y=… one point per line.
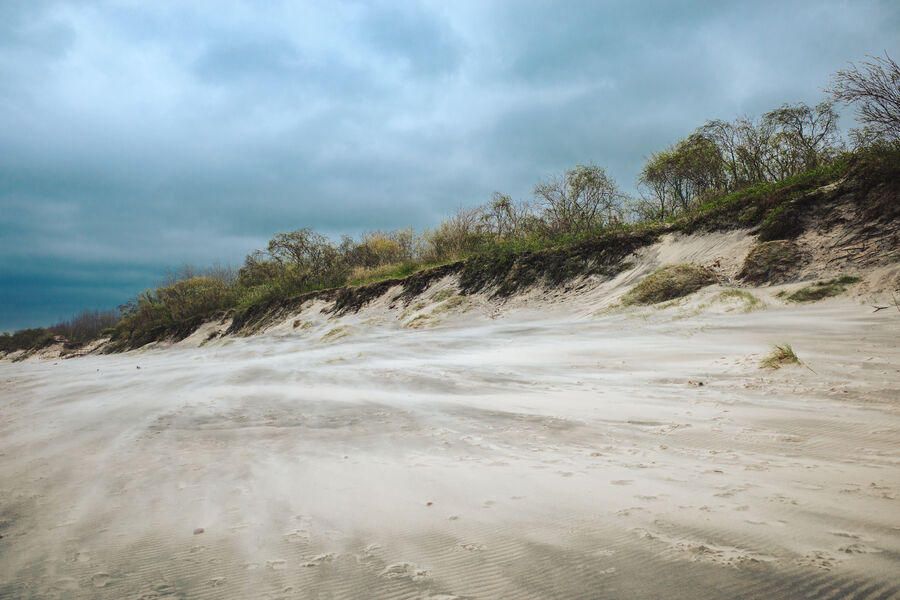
x=543, y=455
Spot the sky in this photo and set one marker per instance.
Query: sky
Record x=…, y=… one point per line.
x=139, y=136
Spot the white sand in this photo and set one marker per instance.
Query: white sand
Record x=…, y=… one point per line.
x=549, y=454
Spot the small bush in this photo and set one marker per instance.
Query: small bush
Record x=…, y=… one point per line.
x=771, y=262
x=823, y=289
x=668, y=283
x=26, y=339
x=780, y=355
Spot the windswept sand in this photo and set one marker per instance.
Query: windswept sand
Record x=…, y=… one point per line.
x=552, y=454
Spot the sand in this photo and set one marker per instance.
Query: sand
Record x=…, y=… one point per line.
x=552, y=453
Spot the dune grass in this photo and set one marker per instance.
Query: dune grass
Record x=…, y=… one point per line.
x=781, y=355
x=668, y=283
x=823, y=289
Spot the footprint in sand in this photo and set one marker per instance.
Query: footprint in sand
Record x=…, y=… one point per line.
x=277, y=564
x=849, y=535
x=622, y=481
x=216, y=582
x=857, y=549
x=469, y=547
x=297, y=536
x=66, y=583
x=404, y=570
x=319, y=559
x=819, y=559
x=99, y=580
x=160, y=591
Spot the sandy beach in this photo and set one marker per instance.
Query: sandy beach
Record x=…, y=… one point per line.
x=549, y=454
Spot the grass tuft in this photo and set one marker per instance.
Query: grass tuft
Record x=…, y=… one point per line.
x=780, y=355
x=668, y=283
x=823, y=289
x=336, y=333
x=749, y=301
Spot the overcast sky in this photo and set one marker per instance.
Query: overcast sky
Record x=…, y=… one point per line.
x=137, y=136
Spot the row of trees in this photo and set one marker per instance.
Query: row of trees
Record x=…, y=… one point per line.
x=582, y=200
x=722, y=156
x=85, y=326
x=717, y=158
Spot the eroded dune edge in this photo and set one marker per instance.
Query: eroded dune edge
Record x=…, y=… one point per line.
x=554, y=443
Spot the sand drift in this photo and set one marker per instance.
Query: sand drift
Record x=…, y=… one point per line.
x=545, y=456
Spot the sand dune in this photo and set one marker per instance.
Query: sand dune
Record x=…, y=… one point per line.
x=556, y=454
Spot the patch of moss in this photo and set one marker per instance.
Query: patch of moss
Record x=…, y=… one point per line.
x=823, y=289
x=771, y=262
x=668, y=283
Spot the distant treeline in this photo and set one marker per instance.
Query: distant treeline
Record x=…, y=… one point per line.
x=716, y=161
x=84, y=327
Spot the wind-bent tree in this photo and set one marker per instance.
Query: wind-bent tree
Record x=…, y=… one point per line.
x=805, y=137
x=874, y=88
x=502, y=216
x=676, y=178
x=584, y=198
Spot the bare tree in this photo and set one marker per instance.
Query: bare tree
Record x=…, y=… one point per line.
x=874, y=88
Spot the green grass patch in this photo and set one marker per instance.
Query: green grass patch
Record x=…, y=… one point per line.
x=668, y=283
x=747, y=301
x=781, y=355
x=823, y=289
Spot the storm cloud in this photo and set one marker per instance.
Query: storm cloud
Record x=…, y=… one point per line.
x=137, y=136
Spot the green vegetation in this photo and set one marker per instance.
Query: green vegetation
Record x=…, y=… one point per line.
x=769, y=173
x=336, y=333
x=450, y=304
x=823, y=289
x=748, y=301
x=441, y=295
x=668, y=283
x=780, y=355
x=86, y=326
x=771, y=262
